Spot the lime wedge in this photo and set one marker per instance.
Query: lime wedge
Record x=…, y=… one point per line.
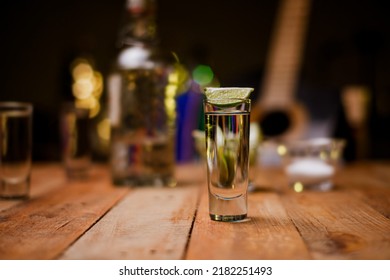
x=226, y=165
x=223, y=167
x=231, y=166
x=222, y=94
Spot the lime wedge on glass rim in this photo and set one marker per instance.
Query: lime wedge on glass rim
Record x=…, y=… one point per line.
x=226, y=95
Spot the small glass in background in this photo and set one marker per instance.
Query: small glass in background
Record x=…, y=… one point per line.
x=311, y=164
x=15, y=149
x=76, y=141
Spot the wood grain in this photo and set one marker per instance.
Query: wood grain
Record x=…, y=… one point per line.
x=337, y=225
x=43, y=227
x=268, y=233
x=370, y=182
x=149, y=223
x=93, y=220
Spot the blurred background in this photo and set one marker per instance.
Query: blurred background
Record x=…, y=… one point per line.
x=346, y=48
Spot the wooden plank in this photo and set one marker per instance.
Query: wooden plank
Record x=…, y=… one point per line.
x=150, y=223
x=43, y=227
x=370, y=182
x=337, y=225
x=378, y=199
x=268, y=233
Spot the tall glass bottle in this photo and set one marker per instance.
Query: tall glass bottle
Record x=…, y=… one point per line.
x=142, y=107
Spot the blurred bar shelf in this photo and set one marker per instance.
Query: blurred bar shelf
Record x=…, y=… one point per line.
x=92, y=219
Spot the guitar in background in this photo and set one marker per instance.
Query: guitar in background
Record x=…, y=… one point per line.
x=277, y=112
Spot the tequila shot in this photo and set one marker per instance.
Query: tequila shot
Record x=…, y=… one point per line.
x=227, y=155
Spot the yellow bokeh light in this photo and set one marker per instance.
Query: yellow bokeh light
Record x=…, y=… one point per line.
x=82, y=70
x=179, y=77
x=82, y=88
x=103, y=129
x=90, y=103
x=87, y=86
x=170, y=104
x=98, y=84
x=170, y=91
x=334, y=155
x=298, y=187
x=173, y=77
x=282, y=150
x=323, y=155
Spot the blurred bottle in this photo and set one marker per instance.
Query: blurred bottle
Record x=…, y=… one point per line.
x=141, y=104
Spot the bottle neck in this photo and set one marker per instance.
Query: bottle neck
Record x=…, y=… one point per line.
x=140, y=24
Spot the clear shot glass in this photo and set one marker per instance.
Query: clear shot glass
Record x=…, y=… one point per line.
x=227, y=156
x=76, y=141
x=15, y=149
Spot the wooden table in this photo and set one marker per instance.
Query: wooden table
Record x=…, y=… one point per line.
x=93, y=220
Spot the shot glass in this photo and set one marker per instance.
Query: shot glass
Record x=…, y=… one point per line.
x=227, y=156
x=76, y=141
x=15, y=149
x=311, y=164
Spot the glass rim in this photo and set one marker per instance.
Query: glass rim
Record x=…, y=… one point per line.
x=227, y=102
x=227, y=98
x=316, y=142
x=15, y=107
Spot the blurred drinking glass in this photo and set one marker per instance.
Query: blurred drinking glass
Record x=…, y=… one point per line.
x=15, y=149
x=76, y=142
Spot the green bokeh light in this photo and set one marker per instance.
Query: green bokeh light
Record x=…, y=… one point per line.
x=203, y=74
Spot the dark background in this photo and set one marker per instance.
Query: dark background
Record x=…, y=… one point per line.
x=348, y=42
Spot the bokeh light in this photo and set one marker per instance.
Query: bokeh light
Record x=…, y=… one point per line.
x=203, y=74
x=87, y=86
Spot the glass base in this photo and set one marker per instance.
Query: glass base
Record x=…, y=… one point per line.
x=318, y=186
x=227, y=218
x=15, y=190
x=227, y=209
